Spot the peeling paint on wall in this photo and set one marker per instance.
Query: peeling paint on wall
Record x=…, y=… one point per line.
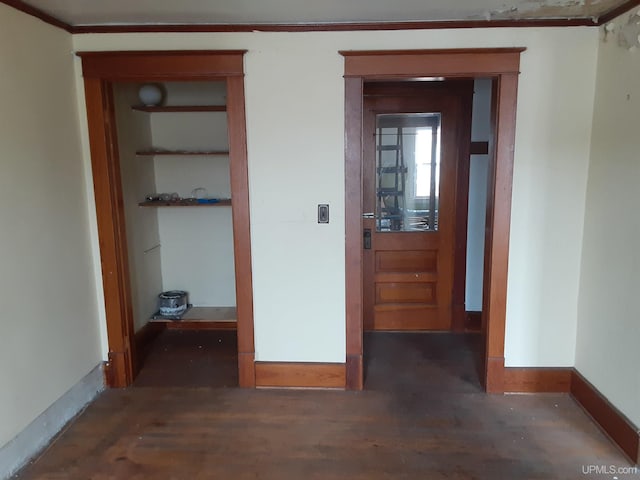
x=553, y=9
x=624, y=30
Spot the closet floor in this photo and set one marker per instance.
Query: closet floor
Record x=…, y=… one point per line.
x=191, y=358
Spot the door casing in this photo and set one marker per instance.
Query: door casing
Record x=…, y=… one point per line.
x=502, y=65
x=100, y=70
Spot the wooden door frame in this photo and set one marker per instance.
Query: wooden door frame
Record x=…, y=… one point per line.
x=501, y=64
x=100, y=70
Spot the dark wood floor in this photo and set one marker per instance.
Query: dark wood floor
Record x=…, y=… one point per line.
x=191, y=358
x=426, y=420
x=422, y=362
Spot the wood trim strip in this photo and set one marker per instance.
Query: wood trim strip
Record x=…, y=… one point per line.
x=246, y=369
x=199, y=325
x=499, y=222
x=616, y=12
x=355, y=372
x=353, y=230
x=473, y=321
x=613, y=422
x=158, y=65
x=383, y=64
x=537, y=380
x=464, y=89
x=110, y=220
x=431, y=51
x=163, y=53
x=494, y=374
x=239, y=171
x=144, y=338
x=37, y=13
x=334, y=27
x=300, y=375
x=180, y=108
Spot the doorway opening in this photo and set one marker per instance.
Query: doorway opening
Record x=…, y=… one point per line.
x=139, y=155
x=443, y=302
x=176, y=189
x=416, y=205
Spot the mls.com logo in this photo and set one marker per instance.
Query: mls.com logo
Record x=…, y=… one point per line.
x=609, y=470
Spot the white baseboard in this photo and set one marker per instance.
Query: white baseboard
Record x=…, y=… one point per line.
x=37, y=435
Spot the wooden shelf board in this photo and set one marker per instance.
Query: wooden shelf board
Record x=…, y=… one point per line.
x=153, y=153
x=204, y=318
x=181, y=108
x=183, y=203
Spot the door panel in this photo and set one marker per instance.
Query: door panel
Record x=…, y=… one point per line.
x=392, y=261
x=408, y=292
x=410, y=154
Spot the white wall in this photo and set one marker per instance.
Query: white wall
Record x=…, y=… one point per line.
x=295, y=91
x=478, y=172
x=555, y=105
x=608, y=352
x=138, y=179
x=50, y=333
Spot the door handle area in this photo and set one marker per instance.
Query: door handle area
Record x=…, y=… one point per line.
x=367, y=238
x=369, y=215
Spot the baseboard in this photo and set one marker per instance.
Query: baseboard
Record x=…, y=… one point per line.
x=300, y=375
x=458, y=318
x=246, y=370
x=613, y=422
x=473, y=321
x=144, y=338
x=494, y=378
x=537, y=380
x=354, y=372
x=37, y=435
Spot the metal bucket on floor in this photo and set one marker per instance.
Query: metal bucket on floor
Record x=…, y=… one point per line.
x=172, y=302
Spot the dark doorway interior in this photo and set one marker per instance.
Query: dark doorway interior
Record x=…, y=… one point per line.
x=191, y=358
x=422, y=362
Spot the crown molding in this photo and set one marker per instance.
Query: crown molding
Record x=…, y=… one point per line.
x=331, y=27
x=616, y=12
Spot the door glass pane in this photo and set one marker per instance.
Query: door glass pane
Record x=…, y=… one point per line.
x=407, y=172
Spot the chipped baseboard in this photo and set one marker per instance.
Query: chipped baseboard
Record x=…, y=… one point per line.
x=37, y=435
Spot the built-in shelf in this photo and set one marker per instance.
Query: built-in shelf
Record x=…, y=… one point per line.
x=181, y=108
x=153, y=153
x=185, y=203
x=204, y=318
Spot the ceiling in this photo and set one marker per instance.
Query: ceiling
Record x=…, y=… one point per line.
x=224, y=12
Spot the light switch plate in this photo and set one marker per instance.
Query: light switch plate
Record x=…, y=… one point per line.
x=323, y=213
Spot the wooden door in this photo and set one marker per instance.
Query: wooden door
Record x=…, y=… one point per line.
x=410, y=161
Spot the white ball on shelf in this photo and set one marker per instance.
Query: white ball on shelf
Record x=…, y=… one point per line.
x=150, y=95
